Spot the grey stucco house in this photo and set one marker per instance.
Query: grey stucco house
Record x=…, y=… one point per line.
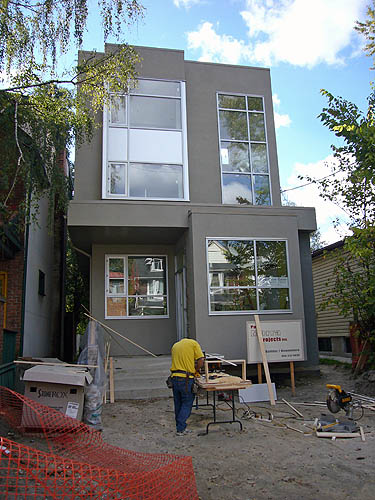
x=177, y=207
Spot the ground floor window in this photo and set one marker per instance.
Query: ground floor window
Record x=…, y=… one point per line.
x=136, y=286
x=325, y=344
x=246, y=275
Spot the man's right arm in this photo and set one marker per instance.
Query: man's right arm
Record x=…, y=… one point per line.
x=199, y=363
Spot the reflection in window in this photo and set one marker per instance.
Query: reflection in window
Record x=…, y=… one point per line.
x=117, y=178
x=247, y=275
x=243, y=150
x=155, y=181
x=237, y=187
x=118, y=109
x=136, y=286
x=155, y=112
x=157, y=87
x=235, y=157
x=233, y=125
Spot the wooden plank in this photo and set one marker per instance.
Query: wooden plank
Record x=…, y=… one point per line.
x=244, y=370
x=260, y=373
x=264, y=358
x=111, y=381
x=337, y=434
x=292, y=407
x=206, y=370
x=119, y=334
x=223, y=387
x=362, y=433
x=292, y=379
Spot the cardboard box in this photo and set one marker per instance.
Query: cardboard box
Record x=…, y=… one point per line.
x=256, y=393
x=59, y=387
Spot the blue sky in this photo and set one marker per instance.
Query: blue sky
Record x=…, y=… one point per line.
x=309, y=45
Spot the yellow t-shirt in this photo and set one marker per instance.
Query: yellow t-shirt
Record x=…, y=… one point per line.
x=184, y=354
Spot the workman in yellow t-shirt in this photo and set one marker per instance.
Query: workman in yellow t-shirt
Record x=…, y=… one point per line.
x=187, y=359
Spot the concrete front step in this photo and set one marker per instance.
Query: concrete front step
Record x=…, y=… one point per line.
x=141, y=377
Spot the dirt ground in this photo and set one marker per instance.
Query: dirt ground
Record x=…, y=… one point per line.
x=265, y=460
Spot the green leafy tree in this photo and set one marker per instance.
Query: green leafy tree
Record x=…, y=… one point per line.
x=42, y=100
x=316, y=241
x=351, y=186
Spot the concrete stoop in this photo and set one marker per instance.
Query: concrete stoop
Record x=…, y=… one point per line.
x=141, y=377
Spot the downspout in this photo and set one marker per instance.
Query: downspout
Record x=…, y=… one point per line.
x=63, y=245
x=24, y=281
x=89, y=257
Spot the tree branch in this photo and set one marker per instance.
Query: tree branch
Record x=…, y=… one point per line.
x=20, y=158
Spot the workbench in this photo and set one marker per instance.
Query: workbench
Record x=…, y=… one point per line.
x=209, y=385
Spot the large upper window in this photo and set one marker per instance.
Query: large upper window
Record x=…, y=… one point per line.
x=136, y=286
x=243, y=150
x=144, y=142
x=247, y=276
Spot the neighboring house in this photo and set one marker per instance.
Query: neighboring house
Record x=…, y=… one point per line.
x=333, y=328
x=177, y=211
x=32, y=263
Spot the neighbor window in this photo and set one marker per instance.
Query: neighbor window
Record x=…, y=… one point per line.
x=243, y=150
x=136, y=286
x=145, y=144
x=247, y=275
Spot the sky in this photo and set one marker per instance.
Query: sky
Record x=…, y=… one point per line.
x=309, y=45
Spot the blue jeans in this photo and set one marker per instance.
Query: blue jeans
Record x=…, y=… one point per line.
x=183, y=401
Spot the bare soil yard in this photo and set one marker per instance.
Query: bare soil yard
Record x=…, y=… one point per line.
x=265, y=460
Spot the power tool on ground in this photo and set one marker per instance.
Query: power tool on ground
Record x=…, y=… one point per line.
x=338, y=399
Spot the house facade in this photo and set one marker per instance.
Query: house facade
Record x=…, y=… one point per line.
x=32, y=268
x=177, y=211
x=333, y=328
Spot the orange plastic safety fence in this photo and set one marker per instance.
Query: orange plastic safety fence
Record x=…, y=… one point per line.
x=79, y=464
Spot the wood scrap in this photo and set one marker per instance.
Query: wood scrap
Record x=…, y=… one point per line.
x=111, y=381
x=297, y=430
x=337, y=434
x=264, y=359
x=292, y=378
x=119, y=334
x=292, y=407
x=362, y=433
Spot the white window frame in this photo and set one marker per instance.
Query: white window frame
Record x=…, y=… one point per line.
x=256, y=287
x=184, y=146
x=249, y=142
x=126, y=278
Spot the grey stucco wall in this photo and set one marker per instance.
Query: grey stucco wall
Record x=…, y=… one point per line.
x=226, y=334
x=203, y=81
x=308, y=297
x=156, y=335
x=120, y=226
x=41, y=312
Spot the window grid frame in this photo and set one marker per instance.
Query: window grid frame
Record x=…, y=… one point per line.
x=106, y=180
x=255, y=287
x=248, y=142
x=126, y=295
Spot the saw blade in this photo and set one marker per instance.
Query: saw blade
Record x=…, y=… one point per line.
x=333, y=401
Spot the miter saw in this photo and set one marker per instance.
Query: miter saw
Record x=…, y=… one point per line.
x=338, y=399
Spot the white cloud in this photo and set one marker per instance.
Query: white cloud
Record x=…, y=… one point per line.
x=298, y=32
x=276, y=100
x=217, y=48
x=185, y=3
x=301, y=32
x=282, y=120
x=308, y=196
